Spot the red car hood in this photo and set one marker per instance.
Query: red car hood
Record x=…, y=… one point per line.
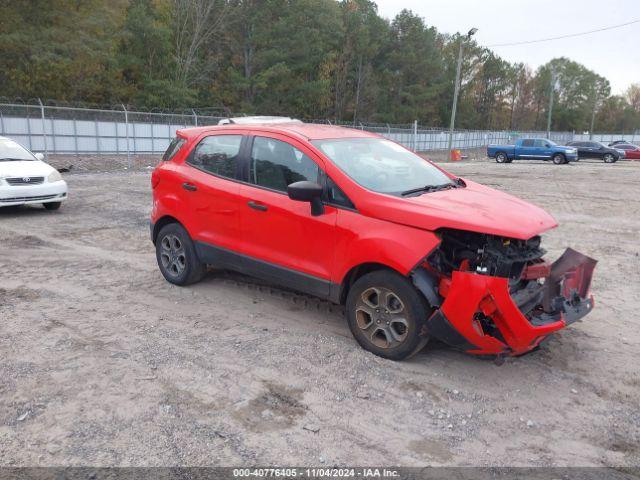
x=474, y=208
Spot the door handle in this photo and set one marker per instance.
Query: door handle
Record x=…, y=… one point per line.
x=189, y=186
x=257, y=206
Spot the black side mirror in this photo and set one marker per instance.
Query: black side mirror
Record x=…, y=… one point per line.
x=306, y=191
x=547, y=145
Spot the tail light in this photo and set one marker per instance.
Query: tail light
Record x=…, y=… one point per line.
x=155, y=179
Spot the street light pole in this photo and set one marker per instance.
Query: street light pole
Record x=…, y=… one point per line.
x=551, y=95
x=456, y=90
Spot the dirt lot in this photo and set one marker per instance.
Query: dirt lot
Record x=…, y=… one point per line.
x=102, y=362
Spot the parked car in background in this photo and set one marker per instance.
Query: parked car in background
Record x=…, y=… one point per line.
x=410, y=250
x=630, y=150
x=616, y=142
x=26, y=179
x=589, y=149
x=533, y=149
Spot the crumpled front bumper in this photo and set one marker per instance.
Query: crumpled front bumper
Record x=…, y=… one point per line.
x=480, y=314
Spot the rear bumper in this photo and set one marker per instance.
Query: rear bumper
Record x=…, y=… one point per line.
x=480, y=314
x=31, y=194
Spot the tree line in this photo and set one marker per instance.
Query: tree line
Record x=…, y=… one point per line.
x=305, y=58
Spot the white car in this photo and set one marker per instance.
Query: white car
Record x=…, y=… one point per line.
x=26, y=179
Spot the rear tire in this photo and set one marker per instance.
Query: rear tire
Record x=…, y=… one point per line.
x=176, y=256
x=386, y=315
x=609, y=158
x=559, y=159
x=52, y=205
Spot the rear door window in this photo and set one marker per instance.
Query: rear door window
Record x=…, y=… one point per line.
x=217, y=154
x=527, y=143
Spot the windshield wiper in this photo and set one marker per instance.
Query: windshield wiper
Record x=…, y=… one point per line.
x=429, y=188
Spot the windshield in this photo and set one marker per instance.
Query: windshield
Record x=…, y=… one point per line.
x=381, y=165
x=11, y=151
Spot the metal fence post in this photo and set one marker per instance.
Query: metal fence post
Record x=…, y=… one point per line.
x=44, y=130
x=415, y=135
x=195, y=117
x=75, y=133
x=54, y=149
x=95, y=127
x=29, y=128
x=126, y=126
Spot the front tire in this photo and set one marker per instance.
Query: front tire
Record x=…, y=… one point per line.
x=501, y=157
x=176, y=256
x=559, y=159
x=52, y=205
x=386, y=315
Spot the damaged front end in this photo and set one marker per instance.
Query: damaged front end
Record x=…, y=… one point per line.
x=498, y=296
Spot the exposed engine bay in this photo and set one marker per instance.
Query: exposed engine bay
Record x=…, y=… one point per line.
x=485, y=254
x=498, y=295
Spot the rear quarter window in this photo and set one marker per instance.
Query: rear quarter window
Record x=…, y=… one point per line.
x=173, y=148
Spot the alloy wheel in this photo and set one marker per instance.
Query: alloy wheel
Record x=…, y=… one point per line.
x=173, y=255
x=381, y=315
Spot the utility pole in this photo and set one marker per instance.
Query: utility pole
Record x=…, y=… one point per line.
x=456, y=90
x=593, y=115
x=551, y=94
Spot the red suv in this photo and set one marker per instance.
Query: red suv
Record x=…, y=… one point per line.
x=412, y=251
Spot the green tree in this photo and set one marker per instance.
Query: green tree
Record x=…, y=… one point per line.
x=145, y=59
x=575, y=92
x=60, y=49
x=413, y=72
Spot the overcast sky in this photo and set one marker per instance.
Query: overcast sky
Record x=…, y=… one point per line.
x=614, y=54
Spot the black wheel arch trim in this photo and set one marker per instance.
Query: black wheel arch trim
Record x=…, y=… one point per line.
x=426, y=284
x=157, y=226
x=438, y=326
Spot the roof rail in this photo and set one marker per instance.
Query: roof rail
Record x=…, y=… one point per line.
x=260, y=119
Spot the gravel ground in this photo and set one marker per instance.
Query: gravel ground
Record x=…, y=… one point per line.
x=104, y=363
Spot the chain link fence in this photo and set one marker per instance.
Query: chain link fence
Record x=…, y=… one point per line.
x=66, y=130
